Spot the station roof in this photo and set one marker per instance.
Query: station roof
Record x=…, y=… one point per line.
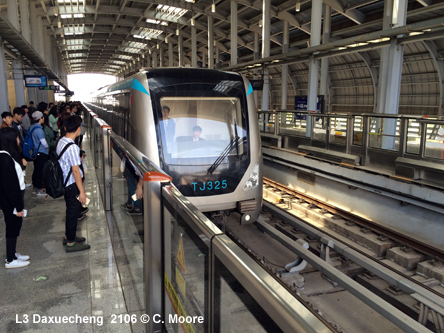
x=103, y=36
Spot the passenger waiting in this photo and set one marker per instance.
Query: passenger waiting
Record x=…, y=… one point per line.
x=26, y=121
x=38, y=138
x=18, y=115
x=12, y=186
x=74, y=191
x=6, y=119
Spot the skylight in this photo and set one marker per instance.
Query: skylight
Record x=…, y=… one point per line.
x=150, y=33
x=171, y=12
x=69, y=1
x=121, y=56
x=156, y=22
x=130, y=49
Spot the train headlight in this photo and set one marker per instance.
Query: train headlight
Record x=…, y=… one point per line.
x=253, y=179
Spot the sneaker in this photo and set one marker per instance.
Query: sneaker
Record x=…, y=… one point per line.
x=125, y=206
x=28, y=185
x=76, y=247
x=81, y=217
x=22, y=257
x=77, y=240
x=41, y=192
x=134, y=211
x=84, y=210
x=16, y=264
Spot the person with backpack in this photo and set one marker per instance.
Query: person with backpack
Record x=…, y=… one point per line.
x=74, y=191
x=42, y=155
x=12, y=186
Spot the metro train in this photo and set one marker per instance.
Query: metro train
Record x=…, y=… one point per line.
x=200, y=126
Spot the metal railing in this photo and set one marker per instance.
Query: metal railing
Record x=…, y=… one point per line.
x=419, y=137
x=170, y=225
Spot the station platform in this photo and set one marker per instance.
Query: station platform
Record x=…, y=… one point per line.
x=57, y=284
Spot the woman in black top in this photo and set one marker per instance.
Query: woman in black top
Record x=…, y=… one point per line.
x=12, y=185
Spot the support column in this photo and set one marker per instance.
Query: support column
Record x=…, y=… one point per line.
x=32, y=96
x=216, y=58
x=34, y=27
x=210, y=42
x=233, y=32
x=395, y=15
x=13, y=13
x=162, y=57
x=193, y=47
x=323, y=85
x=181, y=51
x=19, y=83
x=204, y=60
x=48, y=48
x=284, y=82
x=266, y=8
x=148, y=60
x=313, y=67
x=41, y=41
x=155, y=59
x=24, y=20
x=170, y=54
x=4, y=100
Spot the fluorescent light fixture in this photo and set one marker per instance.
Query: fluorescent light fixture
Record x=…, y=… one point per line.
x=260, y=23
x=298, y=6
x=213, y=8
x=59, y=24
x=192, y=21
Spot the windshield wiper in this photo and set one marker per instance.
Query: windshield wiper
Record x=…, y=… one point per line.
x=234, y=143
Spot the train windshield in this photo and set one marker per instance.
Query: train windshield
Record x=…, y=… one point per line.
x=202, y=130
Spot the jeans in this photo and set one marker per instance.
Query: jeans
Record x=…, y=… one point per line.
x=73, y=209
x=37, y=175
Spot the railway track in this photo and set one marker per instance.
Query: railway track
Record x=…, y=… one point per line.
x=389, y=264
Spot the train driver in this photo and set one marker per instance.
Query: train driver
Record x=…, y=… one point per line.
x=197, y=131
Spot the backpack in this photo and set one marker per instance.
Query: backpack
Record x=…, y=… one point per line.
x=29, y=151
x=53, y=175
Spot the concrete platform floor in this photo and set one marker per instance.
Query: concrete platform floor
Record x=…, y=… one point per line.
x=76, y=287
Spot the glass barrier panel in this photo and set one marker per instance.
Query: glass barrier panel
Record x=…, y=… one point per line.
x=235, y=310
x=186, y=277
x=338, y=130
x=99, y=154
x=320, y=128
x=127, y=231
x=413, y=137
x=358, y=126
x=435, y=141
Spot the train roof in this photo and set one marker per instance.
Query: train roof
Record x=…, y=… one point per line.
x=178, y=75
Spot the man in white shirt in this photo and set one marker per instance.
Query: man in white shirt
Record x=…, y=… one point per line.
x=74, y=191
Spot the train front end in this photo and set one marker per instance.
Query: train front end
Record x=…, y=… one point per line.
x=208, y=138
